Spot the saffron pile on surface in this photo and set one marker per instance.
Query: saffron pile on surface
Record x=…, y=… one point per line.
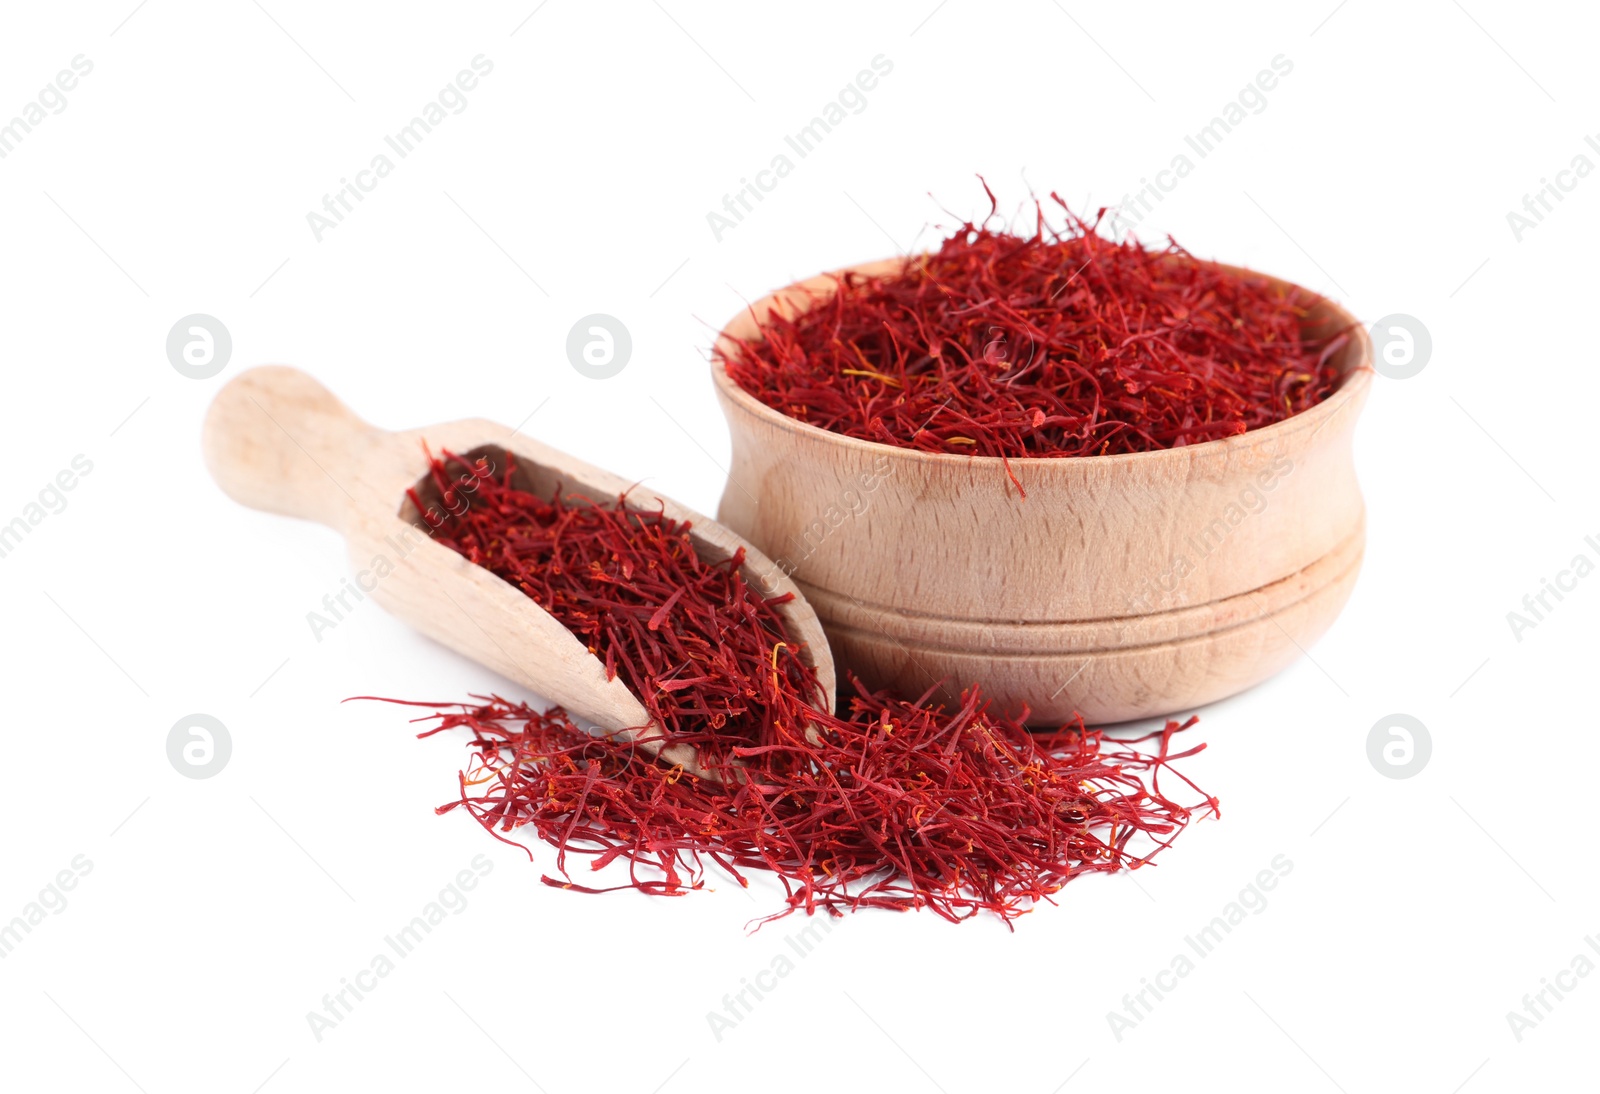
x=1055, y=343
x=890, y=804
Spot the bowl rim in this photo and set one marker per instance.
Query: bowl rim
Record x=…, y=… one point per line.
x=1352, y=389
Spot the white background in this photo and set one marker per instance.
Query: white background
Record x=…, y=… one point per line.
x=219, y=912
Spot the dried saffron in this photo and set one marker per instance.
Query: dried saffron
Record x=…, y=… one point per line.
x=895, y=804
x=687, y=637
x=1061, y=342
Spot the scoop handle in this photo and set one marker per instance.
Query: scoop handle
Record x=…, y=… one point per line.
x=275, y=439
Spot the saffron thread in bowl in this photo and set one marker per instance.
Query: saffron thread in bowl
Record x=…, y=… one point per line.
x=1055, y=343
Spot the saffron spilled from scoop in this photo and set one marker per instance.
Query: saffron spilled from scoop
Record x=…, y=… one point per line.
x=894, y=803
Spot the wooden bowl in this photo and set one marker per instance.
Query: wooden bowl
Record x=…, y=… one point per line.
x=1121, y=587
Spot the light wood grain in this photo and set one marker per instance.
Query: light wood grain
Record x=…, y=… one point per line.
x=1121, y=587
x=276, y=439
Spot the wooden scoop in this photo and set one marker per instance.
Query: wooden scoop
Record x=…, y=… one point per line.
x=276, y=439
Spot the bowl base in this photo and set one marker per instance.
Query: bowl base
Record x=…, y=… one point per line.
x=1107, y=670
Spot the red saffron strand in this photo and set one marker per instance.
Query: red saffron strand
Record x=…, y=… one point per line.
x=1055, y=344
x=894, y=804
